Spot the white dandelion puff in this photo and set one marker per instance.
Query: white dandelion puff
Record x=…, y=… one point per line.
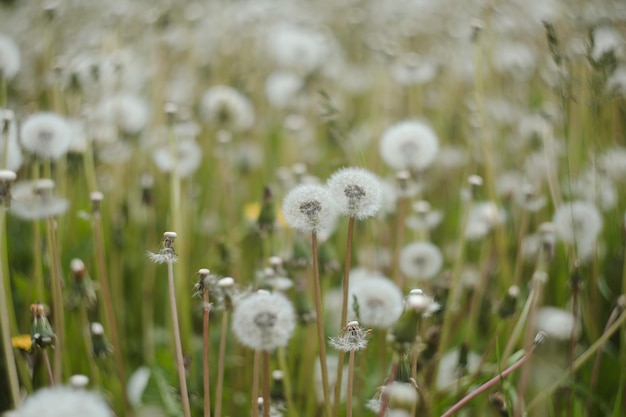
x=166, y=253
x=421, y=260
x=185, y=159
x=264, y=321
x=227, y=108
x=411, y=145
x=377, y=299
x=35, y=199
x=356, y=191
x=64, y=402
x=578, y=223
x=351, y=338
x=557, y=323
x=46, y=135
x=309, y=208
x=10, y=60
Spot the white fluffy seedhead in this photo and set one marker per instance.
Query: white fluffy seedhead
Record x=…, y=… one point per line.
x=46, y=135
x=309, y=208
x=411, y=145
x=356, y=191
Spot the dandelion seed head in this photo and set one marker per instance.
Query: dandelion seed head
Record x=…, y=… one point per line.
x=356, y=191
x=8, y=132
x=46, y=135
x=421, y=260
x=226, y=108
x=309, y=208
x=79, y=381
x=35, y=199
x=606, y=40
x=10, y=59
x=483, y=217
x=185, y=158
x=264, y=320
x=401, y=395
x=410, y=145
x=421, y=303
x=450, y=372
x=557, y=323
x=64, y=402
x=578, y=223
x=379, y=301
x=351, y=338
x=282, y=88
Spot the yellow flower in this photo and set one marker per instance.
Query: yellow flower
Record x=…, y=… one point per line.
x=22, y=342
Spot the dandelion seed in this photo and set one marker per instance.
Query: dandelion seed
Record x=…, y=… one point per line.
x=64, y=402
x=410, y=145
x=264, y=321
x=356, y=191
x=309, y=208
x=421, y=260
x=46, y=135
x=166, y=253
x=351, y=338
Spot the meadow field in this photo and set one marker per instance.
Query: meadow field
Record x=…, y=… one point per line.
x=312, y=208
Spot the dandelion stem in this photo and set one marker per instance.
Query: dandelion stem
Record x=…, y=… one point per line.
x=344, y=311
x=350, y=384
x=266, y=383
x=282, y=362
x=205, y=355
x=493, y=381
x=321, y=339
x=180, y=365
x=606, y=335
x=254, y=397
x=384, y=398
x=84, y=322
x=6, y=311
x=109, y=313
x=596, y=364
x=46, y=360
x=57, y=298
x=220, y=365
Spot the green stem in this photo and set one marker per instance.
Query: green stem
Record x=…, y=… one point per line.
x=266, y=383
x=350, y=384
x=205, y=355
x=7, y=314
x=220, y=365
x=93, y=368
x=57, y=299
x=254, y=400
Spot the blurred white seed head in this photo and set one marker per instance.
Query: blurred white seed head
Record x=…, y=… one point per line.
x=377, y=299
x=264, y=320
x=356, y=191
x=185, y=159
x=410, y=145
x=46, y=135
x=309, y=208
x=421, y=303
x=64, y=402
x=557, y=323
x=10, y=60
x=79, y=381
x=421, y=260
x=578, y=223
x=35, y=199
x=226, y=108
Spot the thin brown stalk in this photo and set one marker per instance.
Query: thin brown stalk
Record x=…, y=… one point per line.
x=321, y=339
x=493, y=381
x=205, y=355
x=350, y=384
x=254, y=397
x=266, y=383
x=344, y=312
x=220, y=365
x=384, y=398
x=180, y=364
x=46, y=360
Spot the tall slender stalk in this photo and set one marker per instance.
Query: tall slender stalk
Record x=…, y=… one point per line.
x=180, y=364
x=46, y=360
x=6, y=311
x=103, y=278
x=205, y=355
x=350, y=383
x=254, y=396
x=266, y=383
x=220, y=364
x=344, y=312
x=321, y=339
x=57, y=298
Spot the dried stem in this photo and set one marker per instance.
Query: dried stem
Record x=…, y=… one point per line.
x=254, y=397
x=220, y=365
x=350, y=384
x=321, y=339
x=180, y=364
x=344, y=312
x=205, y=355
x=266, y=383
x=57, y=298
